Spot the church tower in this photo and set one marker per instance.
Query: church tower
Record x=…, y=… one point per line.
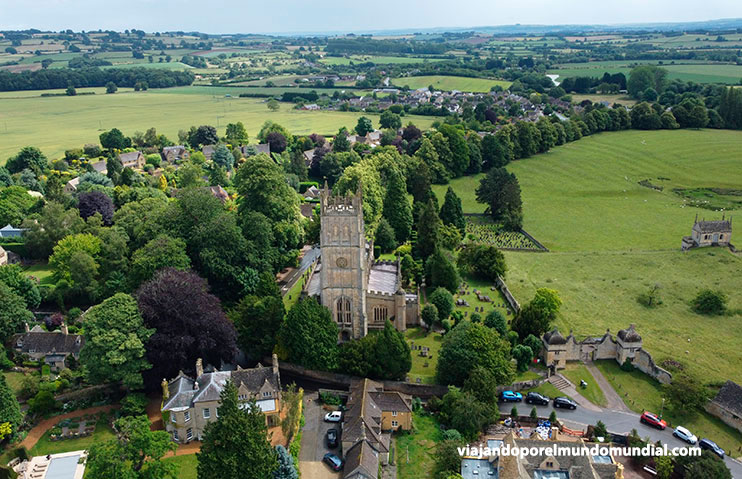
x=345, y=262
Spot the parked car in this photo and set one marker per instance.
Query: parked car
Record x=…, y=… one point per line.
x=334, y=416
x=333, y=461
x=510, y=396
x=682, y=433
x=564, y=402
x=710, y=445
x=332, y=438
x=652, y=420
x=536, y=398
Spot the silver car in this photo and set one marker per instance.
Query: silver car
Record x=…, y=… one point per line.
x=682, y=433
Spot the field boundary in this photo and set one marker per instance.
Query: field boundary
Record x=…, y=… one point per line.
x=540, y=248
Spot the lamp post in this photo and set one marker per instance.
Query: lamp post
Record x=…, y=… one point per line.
x=663, y=407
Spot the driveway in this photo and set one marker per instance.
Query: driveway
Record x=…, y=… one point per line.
x=313, y=446
x=617, y=422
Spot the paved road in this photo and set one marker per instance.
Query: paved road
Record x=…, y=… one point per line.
x=306, y=261
x=617, y=422
x=313, y=446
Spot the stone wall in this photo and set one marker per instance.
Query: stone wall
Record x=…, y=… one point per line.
x=725, y=415
x=514, y=304
x=643, y=361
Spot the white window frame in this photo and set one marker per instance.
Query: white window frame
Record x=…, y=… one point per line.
x=394, y=413
x=187, y=416
x=395, y=424
x=172, y=417
x=207, y=413
x=189, y=434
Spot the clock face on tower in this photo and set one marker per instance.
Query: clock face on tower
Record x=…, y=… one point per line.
x=342, y=262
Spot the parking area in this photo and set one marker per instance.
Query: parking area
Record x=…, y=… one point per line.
x=313, y=446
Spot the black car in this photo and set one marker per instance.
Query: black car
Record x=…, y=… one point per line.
x=565, y=402
x=332, y=438
x=536, y=398
x=710, y=445
x=333, y=461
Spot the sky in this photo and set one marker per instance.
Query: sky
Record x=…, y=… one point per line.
x=297, y=16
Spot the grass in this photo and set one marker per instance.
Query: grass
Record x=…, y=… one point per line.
x=611, y=99
x=416, y=451
x=356, y=59
x=442, y=82
x=103, y=432
x=640, y=393
x=432, y=341
x=187, y=465
x=70, y=122
x=41, y=271
x=577, y=372
x=14, y=381
x=546, y=389
x=527, y=376
x=485, y=288
x=696, y=72
x=292, y=296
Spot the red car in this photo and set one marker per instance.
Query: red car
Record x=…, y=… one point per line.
x=653, y=420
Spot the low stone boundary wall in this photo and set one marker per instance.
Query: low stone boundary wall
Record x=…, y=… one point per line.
x=514, y=304
x=643, y=362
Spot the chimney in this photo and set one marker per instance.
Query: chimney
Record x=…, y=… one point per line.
x=275, y=363
x=65, y=331
x=165, y=389
x=26, y=328
x=199, y=368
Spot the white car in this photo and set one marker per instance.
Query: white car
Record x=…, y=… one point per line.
x=682, y=433
x=334, y=416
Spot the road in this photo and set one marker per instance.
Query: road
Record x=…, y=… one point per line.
x=306, y=261
x=617, y=422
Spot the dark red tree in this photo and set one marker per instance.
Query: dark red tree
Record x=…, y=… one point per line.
x=96, y=202
x=276, y=141
x=189, y=324
x=411, y=133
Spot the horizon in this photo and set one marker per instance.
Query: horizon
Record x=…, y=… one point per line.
x=334, y=17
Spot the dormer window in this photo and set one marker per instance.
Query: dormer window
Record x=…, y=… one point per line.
x=267, y=394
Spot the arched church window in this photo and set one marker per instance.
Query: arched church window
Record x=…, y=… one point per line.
x=343, y=311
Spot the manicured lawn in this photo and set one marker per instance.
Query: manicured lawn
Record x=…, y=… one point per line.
x=419, y=368
x=547, y=389
x=526, y=376
x=14, y=380
x=642, y=393
x=498, y=301
x=415, y=452
x=187, y=466
x=442, y=82
x=292, y=296
x=46, y=446
x=40, y=271
x=577, y=372
x=70, y=122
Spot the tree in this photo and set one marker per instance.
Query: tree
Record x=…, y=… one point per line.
x=469, y=345
x=258, y=318
x=96, y=202
x=686, y=394
x=447, y=459
x=54, y=224
x=428, y=225
x=341, y=142
x=273, y=105
x=389, y=119
x=644, y=77
x=365, y=175
x=13, y=277
x=644, y=117
x=429, y=315
x=385, y=236
x=482, y=260
x=397, y=209
x=111, y=87
x=114, y=140
x=465, y=413
x=236, y=445
x=188, y=324
x=223, y=157
x=496, y=321
x=70, y=91
x=236, y=134
x=523, y=355
x=536, y=317
x=441, y=271
x=709, y=302
x=459, y=159
x=61, y=260
x=364, y=126
x=600, y=430
x=452, y=212
x=135, y=453
x=483, y=385
x=393, y=357
x=309, y=336
x=500, y=191
x=493, y=153
x=443, y=301
x=10, y=410
x=276, y=141
x=30, y=158
x=286, y=468
x=433, y=154
x=708, y=466
x=115, y=338
x=163, y=251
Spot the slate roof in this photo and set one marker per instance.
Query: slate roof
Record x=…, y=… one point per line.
x=177, y=150
x=49, y=342
x=723, y=226
x=383, y=278
x=361, y=461
x=554, y=337
x=307, y=210
x=263, y=148
x=130, y=157
x=362, y=419
x=730, y=397
x=391, y=401
x=100, y=166
x=208, y=150
x=181, y=393
x=629, y=335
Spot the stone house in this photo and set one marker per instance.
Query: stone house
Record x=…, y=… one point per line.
x=189, y=404
x=727, y=405
x=53, y=347
x=3, y=256
x=360, y=292
x=709, y=233
x=175, y=154
x=71, y=185
x=133, y=159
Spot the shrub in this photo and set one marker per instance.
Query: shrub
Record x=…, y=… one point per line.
x=553, y=417
x=514, y=412
x=627, y=366
x=534, y=413
x=134, y=404
x=709, y=302
x=330, y=399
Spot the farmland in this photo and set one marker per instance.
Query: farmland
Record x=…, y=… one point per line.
x=611, y=239
x=69, y=122
x=696, y=72
x=442, y=82
x=381, y=60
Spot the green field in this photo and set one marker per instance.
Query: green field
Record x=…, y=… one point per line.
x=696, y=72
x=70, y=122
x=187, y=465
x=375, y=59
x=424, y=368
x=416, y=451
x=441, y=82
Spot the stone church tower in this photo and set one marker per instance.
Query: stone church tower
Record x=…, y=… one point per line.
x=345, y=262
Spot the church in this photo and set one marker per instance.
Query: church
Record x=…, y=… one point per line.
x=361, y=292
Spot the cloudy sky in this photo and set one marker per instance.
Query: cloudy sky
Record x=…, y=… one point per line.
x=281, y=16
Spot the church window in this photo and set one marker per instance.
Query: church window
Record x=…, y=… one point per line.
x=381, y=313
x=343, y=310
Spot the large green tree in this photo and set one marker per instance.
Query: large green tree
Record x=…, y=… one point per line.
x=115, y=337
x=54, y=223
x=13, y=312
x=397, y=208
x=158, y=253
x=309, y=336
x=451, y=212
x=537, y=316
x=428, y=225
x=29, y=157
x=482, y=260
x=500, y=192
x=12, y=275
x=258, y=318
x=236, y=445
x=10, y=410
